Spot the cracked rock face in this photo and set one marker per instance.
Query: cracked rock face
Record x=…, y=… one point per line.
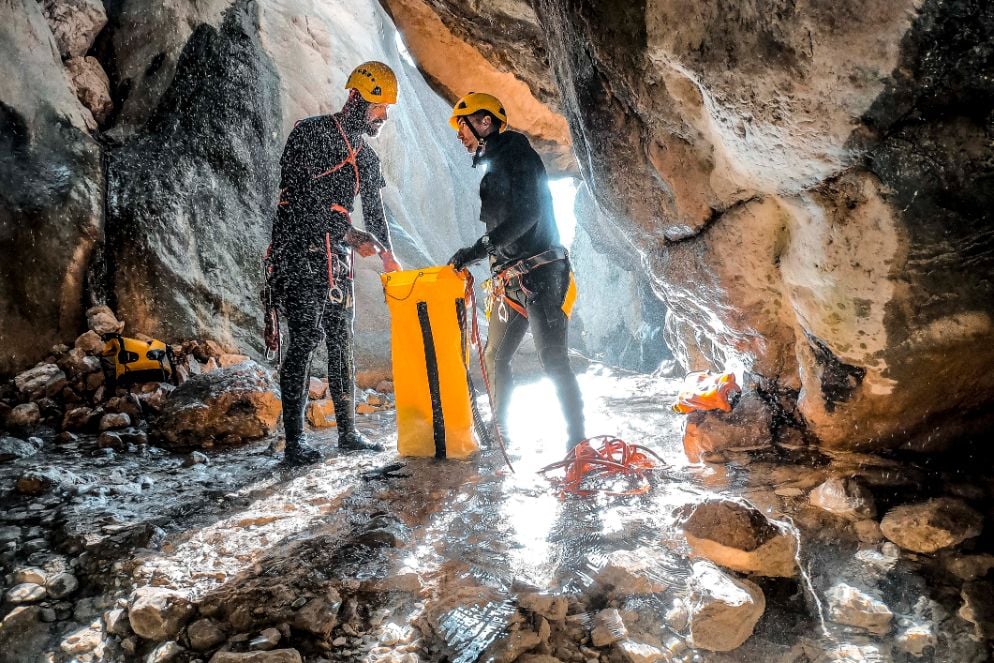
x=808, y=185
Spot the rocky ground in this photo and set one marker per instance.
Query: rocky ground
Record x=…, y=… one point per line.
x=142, y=552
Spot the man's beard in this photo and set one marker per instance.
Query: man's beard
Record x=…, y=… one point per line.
x=373, y=128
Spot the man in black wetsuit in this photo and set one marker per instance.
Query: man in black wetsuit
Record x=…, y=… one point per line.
x=532, y=285
x=326, y=163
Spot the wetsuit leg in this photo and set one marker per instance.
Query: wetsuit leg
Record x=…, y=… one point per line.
x=338, y=325
x=549, y=326
x=503, y=340
x=304, y=308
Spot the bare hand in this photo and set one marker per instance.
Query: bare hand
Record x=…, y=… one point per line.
x=390, y=264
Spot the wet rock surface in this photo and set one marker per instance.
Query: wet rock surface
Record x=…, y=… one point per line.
x=341, y=562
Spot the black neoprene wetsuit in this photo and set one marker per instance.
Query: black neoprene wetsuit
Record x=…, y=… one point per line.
x=516, y=207
x=321, y=177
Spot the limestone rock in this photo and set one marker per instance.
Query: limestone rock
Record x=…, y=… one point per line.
x=92, y=86
x=34, y=380
x=204, y=634
x=552, y=607
x=630, y=572
x=62, y=585
x=90, y=342
x=933, y=525
x=12, y=448
x=739, y=537
x=44, y=480
x=978, y=607
x=640, y=652
x=78, y=419
x=26, y=592
x=51, y=182
x=968, y=567
x=321, y=413
x=29, y=575
x=241, y=401
x=723, y=610
x=318, y=616
x=116, y=622
x=317, y=388
x=167, y=651
x=747, y=426
x=608, y=628
x=844, y=497
x=854, y=607
x=274, y=656
x=914, y=639
x=75, y=24
x=25, y=417
x=157, y=613
x=83, y=640
x=868, y=531
x=155, y=395
x=102, y=320
x=114, y=420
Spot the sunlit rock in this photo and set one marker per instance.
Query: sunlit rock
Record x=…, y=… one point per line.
x=34, y=380
x=723, y=609
x=844, y=497
x=75, y=24
x=608, y=628
x=933, y=525
x=854, y=607
x=321, y=413
x=102, y=320
x=62, y=585
x=318, y=616
x=26, y=592
x=157, y=613
x=914, y=639
x=316, y=388
x=240, y=401
x=274, y=656
x=739, y=537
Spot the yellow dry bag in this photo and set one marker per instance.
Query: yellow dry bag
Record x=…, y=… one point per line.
x=132, y=361
x=430, y=346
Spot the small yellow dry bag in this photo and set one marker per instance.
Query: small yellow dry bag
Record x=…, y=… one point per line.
x=430, y=347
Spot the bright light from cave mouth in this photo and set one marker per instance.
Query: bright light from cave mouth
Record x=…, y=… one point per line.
x=563, y=196
x=402, y=49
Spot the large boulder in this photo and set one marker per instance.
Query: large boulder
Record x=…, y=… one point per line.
x=241, y=402
x=75, y=24
x=157, y=613
x=933, y=525
x=739, y=537
x=748, y=426
x=830, y=236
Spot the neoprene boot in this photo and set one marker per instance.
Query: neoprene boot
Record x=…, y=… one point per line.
x=299, y=452
x=356, y=441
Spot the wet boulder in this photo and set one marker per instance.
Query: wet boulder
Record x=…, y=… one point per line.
x=241, y=401
x=12, y=448
x=978, y=607
x=319, y=615
x=933, y=525
x=102, y=320
x=748, y=426
x=157, y=613
x=608, y=628
x=204, y=634
x=738, y=536
x=630, y=573
x=89, y=342
x=26, y=592
x=273, y=656
x=855, y=607
x=24, y=417
x=844, y=497
x=46, y=480
x=321, y=413
x=723, y=610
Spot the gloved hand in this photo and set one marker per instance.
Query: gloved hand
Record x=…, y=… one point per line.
x=467, y=256
x=363, y=242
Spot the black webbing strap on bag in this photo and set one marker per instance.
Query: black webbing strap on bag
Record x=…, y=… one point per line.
x=431, y=365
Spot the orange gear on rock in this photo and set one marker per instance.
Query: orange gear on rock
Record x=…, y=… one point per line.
x=704, y=390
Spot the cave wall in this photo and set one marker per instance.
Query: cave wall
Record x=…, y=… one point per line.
x=807, y=184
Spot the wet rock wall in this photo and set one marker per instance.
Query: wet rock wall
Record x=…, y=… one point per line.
x=807, y=186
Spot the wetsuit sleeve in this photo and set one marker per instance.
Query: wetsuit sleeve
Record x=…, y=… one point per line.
x=370, y=183
x=520, y=208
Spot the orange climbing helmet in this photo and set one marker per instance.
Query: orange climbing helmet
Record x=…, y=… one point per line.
x=474, y=102
x=375, y=82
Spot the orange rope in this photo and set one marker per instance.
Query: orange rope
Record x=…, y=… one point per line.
x=614, y=458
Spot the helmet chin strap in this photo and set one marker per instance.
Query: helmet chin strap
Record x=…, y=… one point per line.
x=481, y=142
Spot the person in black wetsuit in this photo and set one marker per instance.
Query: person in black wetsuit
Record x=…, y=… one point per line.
x=326, y=163
x=532, y=285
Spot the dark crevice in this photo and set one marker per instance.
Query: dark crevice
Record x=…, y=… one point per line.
x=712, y=220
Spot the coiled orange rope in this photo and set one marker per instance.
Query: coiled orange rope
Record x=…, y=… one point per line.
x=614, y=459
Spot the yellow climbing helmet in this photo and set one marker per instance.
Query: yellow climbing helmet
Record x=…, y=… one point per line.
x=375, y=81
x=475, y=102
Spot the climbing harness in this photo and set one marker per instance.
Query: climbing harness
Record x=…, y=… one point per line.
x=510, y=277
x=614, y=459
x=704, y=390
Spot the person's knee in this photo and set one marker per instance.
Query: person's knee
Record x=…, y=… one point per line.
x=555, y=359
